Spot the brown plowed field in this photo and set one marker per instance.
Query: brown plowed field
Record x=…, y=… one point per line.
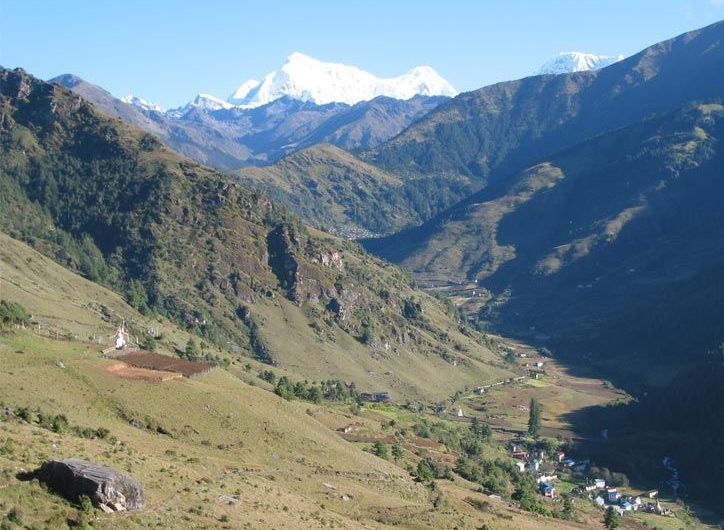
x=166, y=363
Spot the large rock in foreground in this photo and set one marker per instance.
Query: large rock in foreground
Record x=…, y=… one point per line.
x=107, y=488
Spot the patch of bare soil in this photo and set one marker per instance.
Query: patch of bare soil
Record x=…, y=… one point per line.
x=132, y=372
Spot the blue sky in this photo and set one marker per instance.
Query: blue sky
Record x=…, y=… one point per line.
x=167, y=51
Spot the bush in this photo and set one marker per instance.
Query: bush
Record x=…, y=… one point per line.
x=12, y=313
x=380, y=449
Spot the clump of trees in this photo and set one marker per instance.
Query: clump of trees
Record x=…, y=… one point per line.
x=299, y=390
x=12, y=313
x=429, y=469
x=330, y=390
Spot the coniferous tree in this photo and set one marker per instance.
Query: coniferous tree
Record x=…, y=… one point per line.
x=611, y=519
x=397, y=451
x=534, y=418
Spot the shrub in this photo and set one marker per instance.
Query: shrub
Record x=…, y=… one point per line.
x=12, y=313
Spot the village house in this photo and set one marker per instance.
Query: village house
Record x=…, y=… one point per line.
x=560, y=455
x=612, y=494
x=519, y=454
x=546, y=478
x=548, y=490
x=520, y=466
x=377, y=397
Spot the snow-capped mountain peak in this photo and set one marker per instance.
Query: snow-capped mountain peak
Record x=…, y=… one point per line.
x=141, y=103
x=203, y=102
x=209, y=102
x=308, y=79
x=243, y=91
x=568, y=62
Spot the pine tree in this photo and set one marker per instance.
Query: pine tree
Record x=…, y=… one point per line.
x=397, y=451
x=380, y=449
x=192, y=351
x=611, y=519
x=534, y=418
x=568, y=508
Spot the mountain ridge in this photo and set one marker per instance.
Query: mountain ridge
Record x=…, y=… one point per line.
x=227, y=138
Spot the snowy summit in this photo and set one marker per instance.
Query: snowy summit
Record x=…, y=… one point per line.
x=308, y=79
x=568, y=62
x=142, y=103
x=203, y=102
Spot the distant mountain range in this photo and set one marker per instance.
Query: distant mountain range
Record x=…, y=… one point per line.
x=305, y=103
x=307, y=79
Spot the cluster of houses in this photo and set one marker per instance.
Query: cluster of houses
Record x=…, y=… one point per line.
x=609, y=496
x=596, y=489
x=537, y=464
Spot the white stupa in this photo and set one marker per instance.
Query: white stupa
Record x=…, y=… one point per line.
x=120, y=337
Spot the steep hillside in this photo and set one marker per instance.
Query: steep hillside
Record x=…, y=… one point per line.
x=224, y=262
x=332, y=189
x=499, y=129
x=233, y=137
x=609, y=243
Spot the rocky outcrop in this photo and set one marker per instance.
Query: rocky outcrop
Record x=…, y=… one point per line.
x=108, y=489
x=282, y=244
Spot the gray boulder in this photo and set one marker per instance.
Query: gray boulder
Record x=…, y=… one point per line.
x=108, y=489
